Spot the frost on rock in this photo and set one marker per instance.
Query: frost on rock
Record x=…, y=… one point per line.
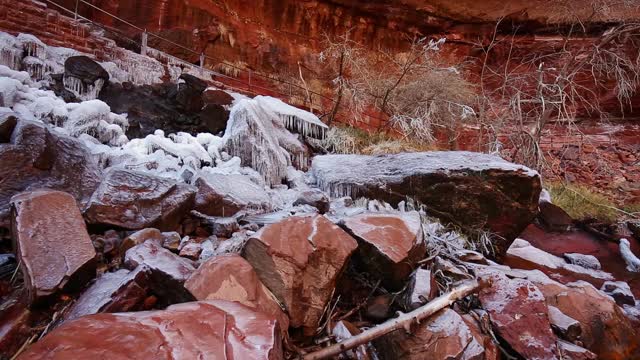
x=257, y=135
x=632, y=261
x=296, y=120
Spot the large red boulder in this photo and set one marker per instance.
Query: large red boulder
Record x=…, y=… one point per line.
x=51, y=242
x=137, y=200
x=299, y=260
x=472, y=190
x=197, y=330
x=390, y=244
x=230, y=277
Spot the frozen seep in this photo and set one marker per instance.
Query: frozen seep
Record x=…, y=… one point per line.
x=296, y=120
x=633, y=263
x=81, y=90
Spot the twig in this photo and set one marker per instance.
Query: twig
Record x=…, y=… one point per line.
x=404, y=321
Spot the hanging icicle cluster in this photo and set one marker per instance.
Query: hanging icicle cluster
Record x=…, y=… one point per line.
x=303, y=127
x=36, y=68
x=80, y=89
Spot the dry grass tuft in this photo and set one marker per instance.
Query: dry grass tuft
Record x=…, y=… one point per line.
x=580, y=202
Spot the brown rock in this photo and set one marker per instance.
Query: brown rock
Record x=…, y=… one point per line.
x=620, y=292
x=191, y=250
x=518, y=313
x=554, y=218
x=475, y=191
x=120, y=291
x=51, y=242
x=8, y=122
x=36, y=158
x=140, y=237
x=230, y=277
x=390, y=245
x=217, y=97
x=167, y=271
x=225, y=195
x=442, y=336
x=136, y=200
x=171, y=241
x=15, y=328
x=574, y=352
x=299, y=260
x=421, y=289
x=197, y=330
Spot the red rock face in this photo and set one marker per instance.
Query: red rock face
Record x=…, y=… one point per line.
x=299, y=259
x=230, y=277
x=51, y=242
x=198, y=330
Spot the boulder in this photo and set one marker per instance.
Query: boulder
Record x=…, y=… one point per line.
x=84, y=68
x=214, y=118
x=564, y=326
x=167, y=271
x=606, y=331
x=586, y=261
x=8, y=122
x=222, y=226
x=119, y=291
x=171, y=241
x=553, y=218
x=51, y=241
x=574, y=352
x=299, y=260
x=137, y=200
x=316, y=198
x=217, y=97
x=475, y=191
x=197, y=330
x=140, y=237
x=15, y=328
x=225, y=195
x=444, y=335
x=191, y=250
x=620, y=292
x=421, y=289
x=519, y=315
x=189, y=93
x=230, y=277
x=390, y=244
x=36, y=158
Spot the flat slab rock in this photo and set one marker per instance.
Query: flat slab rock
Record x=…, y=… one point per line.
x=197, y=330
x=391, y=244
x=230, y=277
x=119, y=291
x=299, y=260
x=51, y=242
x=136, y=200
x=473, y=190
x=35, y=158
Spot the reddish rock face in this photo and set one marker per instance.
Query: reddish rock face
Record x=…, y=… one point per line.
x=198, y=330
x=390, y=244
x=135, y=200
x=167, y=271
x=51, y=242
x=443, y=336
x=119, y=291
x=519, y=314
x=231, y=277
x=36, y=158
x=299, y=260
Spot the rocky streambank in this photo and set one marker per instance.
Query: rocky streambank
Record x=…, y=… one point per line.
x=244, y=244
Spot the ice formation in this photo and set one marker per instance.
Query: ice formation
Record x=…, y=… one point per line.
x=297, y=120
x=80, y=89
x=632, y=261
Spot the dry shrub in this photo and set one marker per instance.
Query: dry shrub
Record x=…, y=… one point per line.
x=581, y=202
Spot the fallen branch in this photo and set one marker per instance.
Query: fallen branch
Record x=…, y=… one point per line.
x=404, y=321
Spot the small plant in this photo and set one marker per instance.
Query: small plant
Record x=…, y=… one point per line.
x=350, y=140
x=580, y=202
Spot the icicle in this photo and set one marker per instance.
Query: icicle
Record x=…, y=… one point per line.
x=80, y=89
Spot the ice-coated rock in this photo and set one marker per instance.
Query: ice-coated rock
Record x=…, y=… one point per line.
x=421, y=289
x=197, y=330
x=119, y=291
x=191, y=250
x=586, y=261
x=472, y=190
x=566, y=327
x=230, y=277
x=444, y=335
x=37, y=158
x=136, y=200
x=390, y=244
x=171, y=241
x=8, y=122
x=299, y=260
x=574, y=352
x=620, y=292
x=527, y=255
x=519, y=315
x=167, y=271
x=316, y=198
x=225, y=195
x=51, y=242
